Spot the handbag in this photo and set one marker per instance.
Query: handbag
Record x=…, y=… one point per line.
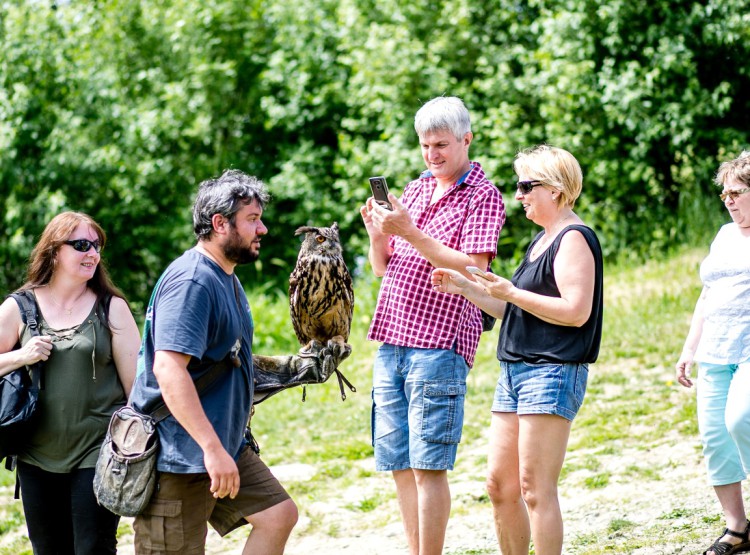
x=488, y=322
x=19, y=390
x=125, y=473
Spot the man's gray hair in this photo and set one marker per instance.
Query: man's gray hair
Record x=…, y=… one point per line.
x=225, y=196
x=443, y=113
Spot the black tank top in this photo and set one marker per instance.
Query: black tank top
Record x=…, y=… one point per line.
x=526, y=338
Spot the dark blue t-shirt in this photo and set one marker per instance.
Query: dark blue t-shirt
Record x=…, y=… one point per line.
x=195, y=312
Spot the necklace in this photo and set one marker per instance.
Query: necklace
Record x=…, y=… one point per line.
x=67, y=311
x=552, y=233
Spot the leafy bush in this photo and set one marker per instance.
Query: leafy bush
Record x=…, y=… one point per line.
x=315, y=96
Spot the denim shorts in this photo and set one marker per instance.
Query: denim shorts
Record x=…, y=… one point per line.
x=541, y=388
x=417, y=407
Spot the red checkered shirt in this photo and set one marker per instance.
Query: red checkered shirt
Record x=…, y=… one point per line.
x=410, y=312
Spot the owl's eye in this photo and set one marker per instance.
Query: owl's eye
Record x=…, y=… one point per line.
x=320, y=239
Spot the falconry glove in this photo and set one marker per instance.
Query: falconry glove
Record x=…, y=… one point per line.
x=313, y=364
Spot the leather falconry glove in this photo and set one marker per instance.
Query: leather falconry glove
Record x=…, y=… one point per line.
x=313, y=364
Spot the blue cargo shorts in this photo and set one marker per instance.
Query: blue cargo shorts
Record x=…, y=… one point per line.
x=417, y=407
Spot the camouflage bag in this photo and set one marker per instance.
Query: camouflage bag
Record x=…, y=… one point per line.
x=125, y=474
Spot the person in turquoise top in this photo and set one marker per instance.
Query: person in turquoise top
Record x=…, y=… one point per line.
x=88, y=345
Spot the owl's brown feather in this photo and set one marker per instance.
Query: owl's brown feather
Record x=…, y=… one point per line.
x=321, y=297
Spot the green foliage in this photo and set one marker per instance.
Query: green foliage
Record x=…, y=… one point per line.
x=7, y=478
x=597, y=481
x=366, y=504
x=11, y=521
x=619, y=524
x=19, y=546
x=12, y=518
x=120, y=109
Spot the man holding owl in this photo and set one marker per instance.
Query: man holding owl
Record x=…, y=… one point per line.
x=450, y=216
x=199, y=317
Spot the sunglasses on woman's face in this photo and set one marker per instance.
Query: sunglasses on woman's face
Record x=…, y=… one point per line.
x=733, y=194
x=525, y=187
x=83, y=245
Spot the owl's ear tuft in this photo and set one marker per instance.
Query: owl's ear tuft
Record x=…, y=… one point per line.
x=305, y=229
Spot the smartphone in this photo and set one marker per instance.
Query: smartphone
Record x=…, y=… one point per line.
x=380, y=191
x=476, y=271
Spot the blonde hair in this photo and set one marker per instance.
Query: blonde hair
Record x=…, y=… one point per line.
x=554, y=167
x=737, y=169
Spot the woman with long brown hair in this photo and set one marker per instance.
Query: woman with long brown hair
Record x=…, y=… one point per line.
x=88, y=345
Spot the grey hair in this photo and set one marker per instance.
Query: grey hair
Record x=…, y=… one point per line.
x=443, y=113
x=737, y=170
x=225, y=196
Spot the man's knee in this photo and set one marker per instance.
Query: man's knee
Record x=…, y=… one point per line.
x=289, y=514
x=428, y=475
x=432, y=481
x=282, y=517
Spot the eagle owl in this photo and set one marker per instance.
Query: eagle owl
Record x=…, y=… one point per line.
x=321, y=298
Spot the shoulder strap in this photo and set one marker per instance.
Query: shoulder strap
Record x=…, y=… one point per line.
x=27, y=306
x=203, y=383
x=102, y=308
x=29, y=314
x=588, y=234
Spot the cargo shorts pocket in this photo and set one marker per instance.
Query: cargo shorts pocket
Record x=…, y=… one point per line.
x=443, y=411
x=159, y=526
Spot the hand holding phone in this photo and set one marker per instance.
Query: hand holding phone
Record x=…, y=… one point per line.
x=477, y=272
x=380, y=191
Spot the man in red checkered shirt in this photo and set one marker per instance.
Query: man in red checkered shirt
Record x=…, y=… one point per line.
x=449, y=217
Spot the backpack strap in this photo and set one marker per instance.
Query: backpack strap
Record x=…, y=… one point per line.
x=27, y=306
x=26, y=302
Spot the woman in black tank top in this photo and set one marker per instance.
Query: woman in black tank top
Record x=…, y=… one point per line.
x=551, y=312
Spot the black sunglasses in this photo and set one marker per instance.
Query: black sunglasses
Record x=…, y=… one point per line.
x=83, y=245
x=525, y=187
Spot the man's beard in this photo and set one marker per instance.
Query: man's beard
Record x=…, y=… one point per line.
x=236, y=251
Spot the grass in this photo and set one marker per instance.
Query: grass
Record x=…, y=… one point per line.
x=622, y=442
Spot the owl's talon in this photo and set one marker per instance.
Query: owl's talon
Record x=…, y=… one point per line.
x=313, y=347
x=340, y=350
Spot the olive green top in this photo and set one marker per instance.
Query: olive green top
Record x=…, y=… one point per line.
x=81, y=391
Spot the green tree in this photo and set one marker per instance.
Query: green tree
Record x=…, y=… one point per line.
x=121, y=108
